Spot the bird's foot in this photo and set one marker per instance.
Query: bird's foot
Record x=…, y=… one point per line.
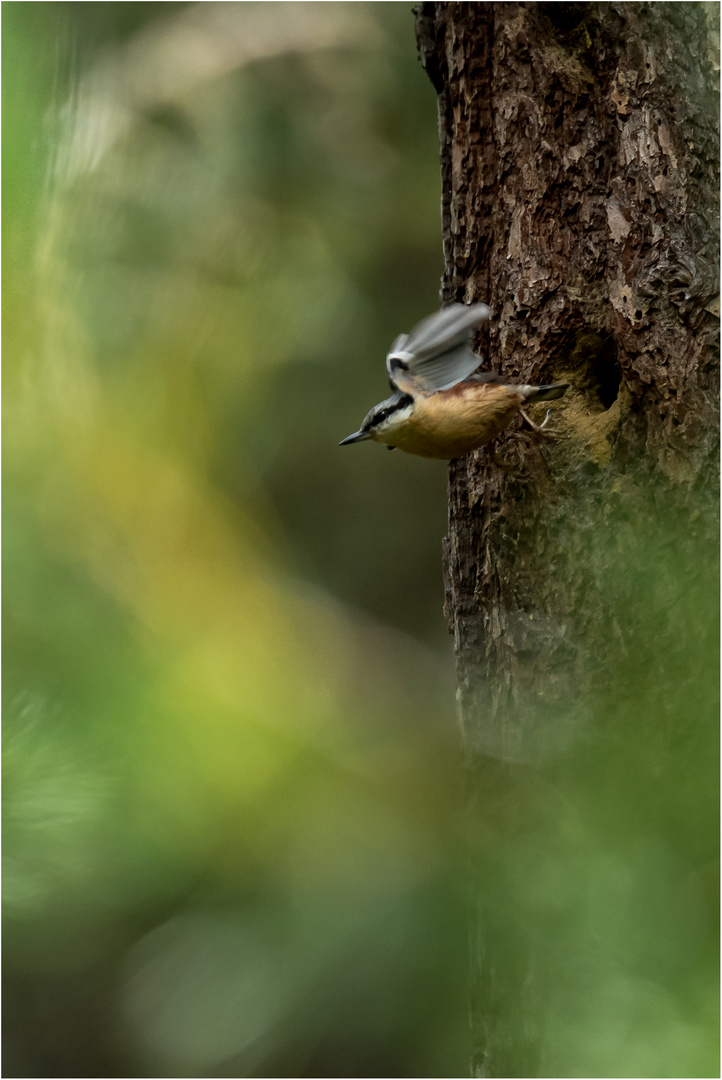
x=539, y=429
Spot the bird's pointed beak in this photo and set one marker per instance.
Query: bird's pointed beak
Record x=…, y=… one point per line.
x=358, y=436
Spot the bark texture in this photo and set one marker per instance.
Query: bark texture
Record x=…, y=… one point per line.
x=580, y=173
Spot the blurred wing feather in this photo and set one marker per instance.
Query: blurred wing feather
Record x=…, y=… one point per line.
x=437, y=353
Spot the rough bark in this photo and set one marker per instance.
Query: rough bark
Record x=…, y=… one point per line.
x=580, y=152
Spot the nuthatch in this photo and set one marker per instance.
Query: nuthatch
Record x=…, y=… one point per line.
x=439, y=408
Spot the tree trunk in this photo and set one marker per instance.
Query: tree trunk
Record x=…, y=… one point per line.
x=580, y=151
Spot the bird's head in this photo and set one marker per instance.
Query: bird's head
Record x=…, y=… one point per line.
x=383, y=419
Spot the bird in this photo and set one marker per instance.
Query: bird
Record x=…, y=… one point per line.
x=441, y=407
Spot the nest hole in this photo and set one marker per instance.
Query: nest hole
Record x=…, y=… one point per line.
x=594, y=359
x=606, y=376
x=565, y=18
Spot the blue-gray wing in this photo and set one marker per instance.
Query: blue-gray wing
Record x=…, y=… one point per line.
x=437, y=353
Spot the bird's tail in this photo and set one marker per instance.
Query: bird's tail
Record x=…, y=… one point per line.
x=544, y=393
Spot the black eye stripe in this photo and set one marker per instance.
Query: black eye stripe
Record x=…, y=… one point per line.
x=403, y=402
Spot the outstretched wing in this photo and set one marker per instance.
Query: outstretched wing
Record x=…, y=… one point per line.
x=437, y=353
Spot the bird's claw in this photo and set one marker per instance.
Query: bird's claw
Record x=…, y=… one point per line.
x=538, y=429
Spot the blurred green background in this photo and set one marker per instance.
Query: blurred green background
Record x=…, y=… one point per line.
x=233, y=802
x=231, y=784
